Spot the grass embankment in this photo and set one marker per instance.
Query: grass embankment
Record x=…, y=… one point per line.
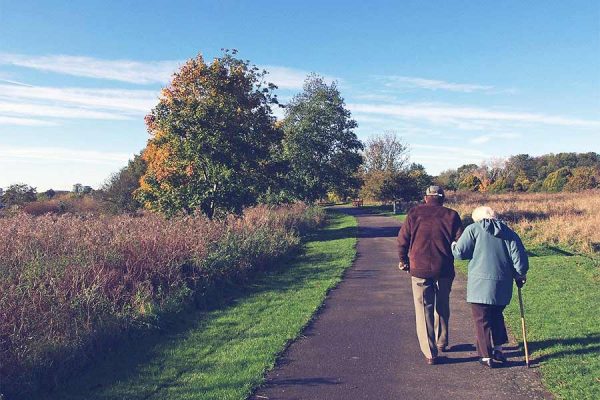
x=563, y=324
x=224, y=353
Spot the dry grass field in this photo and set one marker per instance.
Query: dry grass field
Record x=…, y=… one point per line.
x=567, y=219
x=70, y=283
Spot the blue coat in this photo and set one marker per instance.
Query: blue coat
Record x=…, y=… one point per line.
x=497, y=257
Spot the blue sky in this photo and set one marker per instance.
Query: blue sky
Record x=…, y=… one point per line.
x=460, y=81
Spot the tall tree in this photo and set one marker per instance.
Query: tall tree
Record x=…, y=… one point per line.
x=118, y=190
x=212, y=135
x=386, y=152
x=384, y=167
x=319, y=142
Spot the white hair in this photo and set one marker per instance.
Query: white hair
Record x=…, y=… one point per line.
x=483, y=212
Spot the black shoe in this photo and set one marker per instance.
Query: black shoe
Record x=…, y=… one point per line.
x=498, y=356
x=487, y=363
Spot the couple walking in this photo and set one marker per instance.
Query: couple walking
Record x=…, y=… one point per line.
x=430, y=239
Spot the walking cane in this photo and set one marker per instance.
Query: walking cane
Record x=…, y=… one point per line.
x=523, y=327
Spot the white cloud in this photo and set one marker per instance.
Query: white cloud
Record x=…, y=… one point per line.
x=18, y=121
x=433, y=84
x=140, y=72
x=14, y=82
x=486, y=138
x=8, y=153
x=39, y=110
x=458, y=114
x=134, y=101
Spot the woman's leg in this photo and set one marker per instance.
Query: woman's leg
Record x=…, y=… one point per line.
x=499, y=335
x=483, y=328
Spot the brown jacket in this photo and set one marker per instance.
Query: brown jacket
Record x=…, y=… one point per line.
x=424, y=240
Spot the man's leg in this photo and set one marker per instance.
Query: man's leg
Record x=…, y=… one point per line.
x=483, y=327
x=424, y=299
x=442, y=311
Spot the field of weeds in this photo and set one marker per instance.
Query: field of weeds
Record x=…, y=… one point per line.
x=70, y=282
x=565, y=219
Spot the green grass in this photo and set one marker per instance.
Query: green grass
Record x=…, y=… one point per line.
x=562, y=306
x=224, y=353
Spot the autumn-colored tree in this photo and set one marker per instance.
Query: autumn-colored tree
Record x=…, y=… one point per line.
x=470, y=183
x=212, y=137
x=583, y=178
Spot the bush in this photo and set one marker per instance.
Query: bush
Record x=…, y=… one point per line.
x=556, y=181
x=86, y=279
x=470, y=183
x=583, y=178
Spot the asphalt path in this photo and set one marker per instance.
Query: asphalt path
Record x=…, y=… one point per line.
x=363, y=345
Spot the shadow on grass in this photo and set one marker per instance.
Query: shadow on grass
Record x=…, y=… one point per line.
x=544, y=251
x=123, y=361
x=589, y=344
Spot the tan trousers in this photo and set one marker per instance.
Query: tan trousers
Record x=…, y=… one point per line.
x=432, y=312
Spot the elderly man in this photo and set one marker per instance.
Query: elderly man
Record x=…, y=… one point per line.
x=424, y=249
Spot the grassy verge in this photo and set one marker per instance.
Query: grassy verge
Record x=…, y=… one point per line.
x=563, y=323
x=224, y=353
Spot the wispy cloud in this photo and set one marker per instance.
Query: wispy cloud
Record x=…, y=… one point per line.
x=11, y=109
x=136, y=101
x=404, y=82
x=482, y=139
x=14, y=82
x=43, y=106
x=437, y=113
x=132, y=71
x=62, y=155
x=19, y=121
x=139, y=72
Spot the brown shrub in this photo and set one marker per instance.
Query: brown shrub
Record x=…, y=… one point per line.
x=569, y=219
x=66, y=280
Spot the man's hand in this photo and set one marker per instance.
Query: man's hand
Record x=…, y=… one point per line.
x=403, y=267
x=520, y=281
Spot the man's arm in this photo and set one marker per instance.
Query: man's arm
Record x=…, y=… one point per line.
x=457, y=227
x=404, y=241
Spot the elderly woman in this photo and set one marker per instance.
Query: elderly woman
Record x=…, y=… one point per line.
x=497, y=257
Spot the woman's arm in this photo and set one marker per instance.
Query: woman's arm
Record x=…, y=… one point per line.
x=463, y=249
x=519, y=256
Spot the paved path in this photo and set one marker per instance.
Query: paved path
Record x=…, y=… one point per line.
x=363, y=344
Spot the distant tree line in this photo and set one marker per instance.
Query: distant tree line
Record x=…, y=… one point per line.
x=523, y=173
x=216, y=147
